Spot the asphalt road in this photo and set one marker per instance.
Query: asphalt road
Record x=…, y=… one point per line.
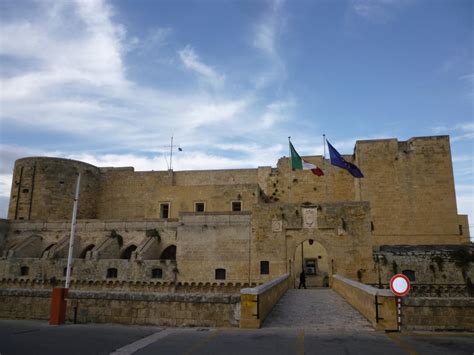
x=37, y=337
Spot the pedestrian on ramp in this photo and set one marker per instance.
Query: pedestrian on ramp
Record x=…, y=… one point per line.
x=302, y=279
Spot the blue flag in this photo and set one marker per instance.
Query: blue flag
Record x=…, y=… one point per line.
x=339, y=161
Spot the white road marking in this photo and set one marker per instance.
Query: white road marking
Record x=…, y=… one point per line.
x=144, y=342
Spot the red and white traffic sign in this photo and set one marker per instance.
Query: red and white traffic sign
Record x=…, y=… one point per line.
x=400, y=285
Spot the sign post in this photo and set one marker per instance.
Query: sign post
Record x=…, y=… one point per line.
x=400, y=286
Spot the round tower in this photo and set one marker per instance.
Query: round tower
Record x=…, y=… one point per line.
x=43, y=189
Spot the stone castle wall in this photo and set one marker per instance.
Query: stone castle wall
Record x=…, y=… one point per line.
x=43, y=188
x=410, y=186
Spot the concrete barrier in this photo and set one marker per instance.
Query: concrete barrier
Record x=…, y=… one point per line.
x=378, y=306
x=257, y=302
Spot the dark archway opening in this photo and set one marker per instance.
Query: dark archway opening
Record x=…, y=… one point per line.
x=86, y=249
x=47, y=249
x=169, y=253
x=127, y=253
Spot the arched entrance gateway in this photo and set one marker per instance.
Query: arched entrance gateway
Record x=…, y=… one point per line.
x=311, y=257
x=329, y=239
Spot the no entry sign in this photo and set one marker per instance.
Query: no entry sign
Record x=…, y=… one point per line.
x=400, y=285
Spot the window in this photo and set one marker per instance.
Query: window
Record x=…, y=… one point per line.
x=112, y=273
x=24, y=271
x=310, y=266
x=236, y=206
x=264, y=267
x=156, y=273
x=220, y=274
x=164, y=210
x=410, y=274
x=460, y=229
x=199, y=206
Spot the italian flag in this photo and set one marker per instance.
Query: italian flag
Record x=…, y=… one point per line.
x=298, y=163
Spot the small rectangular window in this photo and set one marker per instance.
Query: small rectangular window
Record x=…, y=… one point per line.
x=220, y=274
x=460, y=229
x=112, y=273
x=24, y=271
x=156, y=273
x=164, y=210
x=264, y=267
x=236, y=206
x=199, y=206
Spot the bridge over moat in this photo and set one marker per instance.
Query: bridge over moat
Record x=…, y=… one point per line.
x=316, y=309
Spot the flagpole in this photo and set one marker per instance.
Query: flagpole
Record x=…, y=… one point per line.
x=326, y=172
x=290, y=174
x=73, y=230
x=171, y=154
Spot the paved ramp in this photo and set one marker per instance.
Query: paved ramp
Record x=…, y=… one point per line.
x=316, y=309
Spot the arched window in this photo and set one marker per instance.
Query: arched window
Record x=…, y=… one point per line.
x=127, y=253
x=86, y=249
x=220, y=274
x=47, y=249
x=24, y=271
x=169, y=253
x=410, y=274
x=112, y=273
x=156, y=273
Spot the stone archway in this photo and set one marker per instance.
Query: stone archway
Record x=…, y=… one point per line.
x=306, y=247
x=312, y=256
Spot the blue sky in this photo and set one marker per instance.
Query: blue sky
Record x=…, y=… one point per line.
x=109, y=82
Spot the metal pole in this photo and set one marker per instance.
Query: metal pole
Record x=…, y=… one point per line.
x=291, y=169
x=171, y=154
x=324, y=167
x=73, y=230
x=399, y=314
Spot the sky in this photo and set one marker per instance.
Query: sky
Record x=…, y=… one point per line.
x=109, y=82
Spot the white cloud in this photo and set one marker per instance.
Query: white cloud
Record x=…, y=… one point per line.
x=191, y=61
x=458, y=132
x=378, y=11
x=5, y=184
x=266, y=40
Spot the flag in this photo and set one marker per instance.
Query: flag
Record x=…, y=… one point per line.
x=338, y=160
x=300, y=164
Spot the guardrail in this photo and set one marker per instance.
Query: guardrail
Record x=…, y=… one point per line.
x=257, y=302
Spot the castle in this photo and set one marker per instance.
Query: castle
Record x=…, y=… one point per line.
x=239, y=227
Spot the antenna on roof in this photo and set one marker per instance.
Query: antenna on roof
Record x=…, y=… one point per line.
x=171, y=153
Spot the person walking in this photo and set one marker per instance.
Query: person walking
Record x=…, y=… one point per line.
x=302, y=280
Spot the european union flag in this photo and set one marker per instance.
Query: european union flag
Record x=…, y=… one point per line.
x=338, y=160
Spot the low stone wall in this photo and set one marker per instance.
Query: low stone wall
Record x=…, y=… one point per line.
x=166, y=309
x=257, y=302
x=378, y=306
x=222, y=287
x=434, y=313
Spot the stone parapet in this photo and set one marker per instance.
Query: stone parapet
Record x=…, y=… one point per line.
x=166, y=309
x=257, y=302
x=378, y=306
